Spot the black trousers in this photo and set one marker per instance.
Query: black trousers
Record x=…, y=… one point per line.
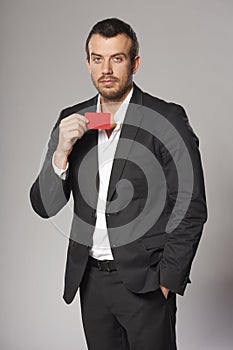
x=114, y=318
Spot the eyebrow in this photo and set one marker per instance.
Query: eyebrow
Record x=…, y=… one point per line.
x=115, y=54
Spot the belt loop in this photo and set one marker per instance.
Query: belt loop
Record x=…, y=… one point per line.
x=108, y=267
x=99, y=265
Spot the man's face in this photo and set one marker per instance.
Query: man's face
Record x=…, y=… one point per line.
x=110, y=65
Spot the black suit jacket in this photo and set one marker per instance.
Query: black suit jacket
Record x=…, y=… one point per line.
x=157, y=256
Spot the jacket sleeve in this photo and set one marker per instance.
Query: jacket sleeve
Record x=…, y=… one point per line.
x=186, y=194
x=50, y=193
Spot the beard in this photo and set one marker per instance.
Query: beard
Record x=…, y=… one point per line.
x=116, y=92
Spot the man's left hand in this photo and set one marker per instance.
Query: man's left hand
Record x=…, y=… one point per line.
x=164, y=290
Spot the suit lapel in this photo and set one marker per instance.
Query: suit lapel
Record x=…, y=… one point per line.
x=132, y=121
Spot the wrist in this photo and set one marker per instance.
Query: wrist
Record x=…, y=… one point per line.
x=60, y=159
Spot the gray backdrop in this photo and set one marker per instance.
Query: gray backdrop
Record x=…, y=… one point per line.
x=187, y=55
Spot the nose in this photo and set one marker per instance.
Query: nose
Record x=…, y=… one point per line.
x=106, y=67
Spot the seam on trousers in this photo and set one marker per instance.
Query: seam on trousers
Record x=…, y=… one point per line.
x=173, y=336
x=122, y=335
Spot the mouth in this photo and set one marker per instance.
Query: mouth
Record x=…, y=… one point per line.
x=108, y=82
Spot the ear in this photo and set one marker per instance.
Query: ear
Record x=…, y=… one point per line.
x=136, y=64
x=88, y=65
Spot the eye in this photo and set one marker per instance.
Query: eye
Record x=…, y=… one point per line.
x=96, y=59
x=117, y=59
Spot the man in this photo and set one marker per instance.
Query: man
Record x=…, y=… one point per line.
x=129, y=266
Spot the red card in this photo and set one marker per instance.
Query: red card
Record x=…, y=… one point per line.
x=98, y=120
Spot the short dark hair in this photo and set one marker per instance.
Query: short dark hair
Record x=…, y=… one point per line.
x=111, y=27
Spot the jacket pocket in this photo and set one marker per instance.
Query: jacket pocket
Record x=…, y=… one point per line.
x=154, y=246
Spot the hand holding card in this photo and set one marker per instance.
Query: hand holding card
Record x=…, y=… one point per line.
x=98, y=120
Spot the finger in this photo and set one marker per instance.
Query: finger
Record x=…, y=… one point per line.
x=76, y=116
x=73, y=125
x=83, y=118
x=74, y=134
